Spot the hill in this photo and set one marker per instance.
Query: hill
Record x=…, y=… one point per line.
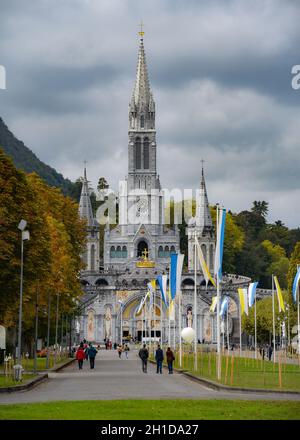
x=27, y=161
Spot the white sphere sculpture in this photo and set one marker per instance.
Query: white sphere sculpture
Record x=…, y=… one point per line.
x=188, y=334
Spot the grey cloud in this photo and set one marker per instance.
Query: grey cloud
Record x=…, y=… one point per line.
x=220, y=73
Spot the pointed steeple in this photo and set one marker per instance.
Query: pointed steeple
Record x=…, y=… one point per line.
x=142, y=99
x=203, y=216
x=85, y=206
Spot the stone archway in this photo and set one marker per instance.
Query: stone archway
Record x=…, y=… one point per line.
x=142, y=325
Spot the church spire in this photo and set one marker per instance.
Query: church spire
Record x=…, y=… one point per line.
x=142, y=105
x=85, y=207
x=203, y=216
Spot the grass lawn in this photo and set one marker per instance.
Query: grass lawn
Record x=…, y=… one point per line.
x=153, y=410
x=244, y=372
x=41, y=363
x=9, y=382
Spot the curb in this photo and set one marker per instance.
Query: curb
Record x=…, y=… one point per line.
x=60, y=367
x=220, y=387
x=26, y=386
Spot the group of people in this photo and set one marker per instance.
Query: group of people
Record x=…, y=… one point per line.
x=268, y=350
x=86, y=352
x=159, y=357
x=123, y=349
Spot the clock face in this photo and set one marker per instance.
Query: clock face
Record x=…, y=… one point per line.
x=141, y=207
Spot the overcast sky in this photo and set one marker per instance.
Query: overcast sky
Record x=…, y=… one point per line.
x=220, y=73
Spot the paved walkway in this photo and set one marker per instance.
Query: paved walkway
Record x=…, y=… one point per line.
x=115, y=378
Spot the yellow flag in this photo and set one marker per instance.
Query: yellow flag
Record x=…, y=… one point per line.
x=279, y=295
x=171, y=308
x=213, y=304
x=242, y=300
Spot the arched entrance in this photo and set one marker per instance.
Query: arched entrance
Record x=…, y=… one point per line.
x=146, y=323
x=142, y=248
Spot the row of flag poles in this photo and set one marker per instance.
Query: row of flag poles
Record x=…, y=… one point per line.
x=247, y=296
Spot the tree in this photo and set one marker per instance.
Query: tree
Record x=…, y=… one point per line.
x=294, y=261
x=260, y=208
x=279, y=262
x=264, y=317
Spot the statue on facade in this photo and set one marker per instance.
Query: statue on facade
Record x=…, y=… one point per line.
x=189, y=318
x=107, y=323
x=90, y=326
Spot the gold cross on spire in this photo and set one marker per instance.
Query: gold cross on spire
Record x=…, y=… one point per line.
x=141, y=33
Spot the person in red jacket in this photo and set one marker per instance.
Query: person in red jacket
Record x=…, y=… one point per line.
x=80, y=355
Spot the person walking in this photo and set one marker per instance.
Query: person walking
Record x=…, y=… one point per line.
x=170, y=359
x=159, y=357
x=92, y=354
x=270, y=351
x=80, y=355
x=144, y=354
x=126, y=350
x=120, y=349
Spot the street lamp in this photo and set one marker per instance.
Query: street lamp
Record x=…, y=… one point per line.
x=24, y=236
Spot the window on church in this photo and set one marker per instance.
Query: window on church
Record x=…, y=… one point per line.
x=211, y=256
x=118, y=252
x=146, y=154
x=167, y=252
x=160, y=252
x=124, y=252
x=138, y=154
x=112, y=252
x=142, y=121
x=172, y=251
x=92, y=257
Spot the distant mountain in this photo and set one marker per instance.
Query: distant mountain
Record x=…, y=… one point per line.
x=27, y=161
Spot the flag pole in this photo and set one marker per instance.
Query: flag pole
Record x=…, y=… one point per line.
x=195, y=305
x=298, y=317
x=273, y=312
x=169, y=335
x=180, y=342
x=255, y=328
x=149, y=321
x=174, y=326
x=161, y=328
x=240, y=310
x=218, y=315
x=227, y=325
x=142, y=325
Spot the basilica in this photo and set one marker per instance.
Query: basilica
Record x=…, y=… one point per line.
x=138, y=248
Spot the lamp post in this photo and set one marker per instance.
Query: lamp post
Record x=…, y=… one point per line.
x=24, y=236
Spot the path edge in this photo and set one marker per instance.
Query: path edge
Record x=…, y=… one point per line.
x=220, y=387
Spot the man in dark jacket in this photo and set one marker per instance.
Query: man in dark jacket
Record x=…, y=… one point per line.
x=144, y=354
x=159, y=357
x=92, y=354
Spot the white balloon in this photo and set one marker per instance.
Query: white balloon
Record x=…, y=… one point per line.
x=188, y=334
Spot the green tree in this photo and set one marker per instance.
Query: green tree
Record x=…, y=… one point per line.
x=279, y=262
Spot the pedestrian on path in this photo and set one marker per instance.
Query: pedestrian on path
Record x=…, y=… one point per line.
x=92, y=354
x=144, y=354
x=170, y=359
x=270, y=351
x=126, y=350
x=120, y=349
x=80, y=355
x=159, y=357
